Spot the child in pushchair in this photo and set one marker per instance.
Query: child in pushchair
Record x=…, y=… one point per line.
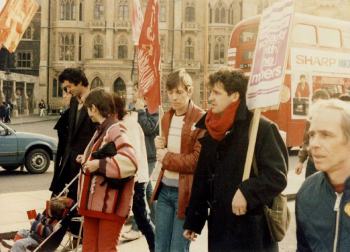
x=48, y=227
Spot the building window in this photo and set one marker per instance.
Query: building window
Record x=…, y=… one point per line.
x=210, y=14
x=96, y=83
x=98, y=47
x=219, y=51
x=56, y=88
x=80, y=11
x=230, y=14
x=28, y=34
x=67, y=9
x=162, y=48
x=123, y=10
x=119, y=87
x=189, y=49
x=190, y=14
x=123, y=48
x=24, y=59
x=66, y=46
x=220, y=13
x=99, y=9
x=80, y=49
x=162, y=12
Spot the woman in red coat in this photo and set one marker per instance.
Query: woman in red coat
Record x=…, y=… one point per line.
x=104, y=207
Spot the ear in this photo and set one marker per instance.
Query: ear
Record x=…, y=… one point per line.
x=190, y=90
x=235, y=96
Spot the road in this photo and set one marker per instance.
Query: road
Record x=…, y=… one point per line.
x=21, y=181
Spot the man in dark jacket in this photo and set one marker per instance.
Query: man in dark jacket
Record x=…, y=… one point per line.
x=80, y=130
x=236, y=221
x=323, y=201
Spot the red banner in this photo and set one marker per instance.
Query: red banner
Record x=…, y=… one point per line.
x=149, y=57
x=14, y=20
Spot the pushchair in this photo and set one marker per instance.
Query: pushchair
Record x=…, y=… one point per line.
x=56, y=238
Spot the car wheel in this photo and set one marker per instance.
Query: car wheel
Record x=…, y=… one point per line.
x=10, y=167
x=37, y=161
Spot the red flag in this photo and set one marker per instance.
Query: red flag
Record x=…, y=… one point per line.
x=15, y=17
x=149, y=57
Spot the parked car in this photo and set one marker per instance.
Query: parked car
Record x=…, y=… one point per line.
x=34, y=151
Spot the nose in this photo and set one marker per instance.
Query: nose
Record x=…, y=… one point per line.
x=314, y=141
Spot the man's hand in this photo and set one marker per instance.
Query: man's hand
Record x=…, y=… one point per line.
x=161, y=154
x=79, y=159
x=139, y=104
x=239, y=203
x=91, y=165
x=159, y=142
x=299, y=168
x=190, y=235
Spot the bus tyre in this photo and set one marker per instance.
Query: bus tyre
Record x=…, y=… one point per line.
x=37, y=161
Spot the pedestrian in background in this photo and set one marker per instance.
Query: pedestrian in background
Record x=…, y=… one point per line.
x=42, y=107
x=177, y=150
x=2, y=111
x=319, y=94
x=323, y=202
x=236, y=219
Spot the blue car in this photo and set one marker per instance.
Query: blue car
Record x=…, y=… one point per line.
x=34, y=151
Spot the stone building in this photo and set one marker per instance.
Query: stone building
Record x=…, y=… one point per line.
x=19, y=71
x=95, y=35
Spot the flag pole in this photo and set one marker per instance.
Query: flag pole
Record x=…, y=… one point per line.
x=205, y=61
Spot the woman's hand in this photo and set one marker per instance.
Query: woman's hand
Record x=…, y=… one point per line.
x=189, y=235
x=91, y=165
x=79, y=158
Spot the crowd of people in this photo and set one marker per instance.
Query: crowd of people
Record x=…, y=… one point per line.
x=201, y=155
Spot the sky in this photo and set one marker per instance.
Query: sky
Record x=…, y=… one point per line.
x=2, y=3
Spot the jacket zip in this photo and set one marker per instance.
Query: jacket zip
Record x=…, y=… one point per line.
x=336, y=209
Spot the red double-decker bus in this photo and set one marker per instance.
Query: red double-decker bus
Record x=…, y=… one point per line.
x=318, y=58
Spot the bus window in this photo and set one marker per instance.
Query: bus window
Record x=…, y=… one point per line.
x=248, y=35
x=346, y=39
x=305, y=34
x=329, y=37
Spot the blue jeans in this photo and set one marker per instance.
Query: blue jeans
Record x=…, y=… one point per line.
x=22, y=244
x=169, y=228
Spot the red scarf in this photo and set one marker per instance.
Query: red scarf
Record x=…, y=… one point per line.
x=219, y=124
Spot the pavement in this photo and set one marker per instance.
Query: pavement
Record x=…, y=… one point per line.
x=14, y=205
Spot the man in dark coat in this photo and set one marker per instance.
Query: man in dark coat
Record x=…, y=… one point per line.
x=78, y=134
x=236, y=221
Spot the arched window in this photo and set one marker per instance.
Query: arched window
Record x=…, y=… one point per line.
x=189, y=49
x=66, y=46
x=96, y=83
x=98, y=47
x=220, y=13
x=119, y=87
x=98, y=10
x=123, y=48
x=230, y=14
x=219, y=51
x=190, y=14
x=210, y=14
x=28, y=34
x=67, y=9
x=123, y=11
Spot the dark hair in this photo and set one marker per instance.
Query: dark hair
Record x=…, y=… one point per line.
x=232, y=80
x=177, y=78
x=73, y=75
x=320, y=94
x=344, y=97
x=102, y=100
x=119, y=103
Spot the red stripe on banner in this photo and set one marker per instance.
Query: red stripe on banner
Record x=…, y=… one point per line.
x=149, y=57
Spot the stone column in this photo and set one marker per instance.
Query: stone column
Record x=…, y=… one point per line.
x=14, y=100
x=109, y=40
x=25, y=100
